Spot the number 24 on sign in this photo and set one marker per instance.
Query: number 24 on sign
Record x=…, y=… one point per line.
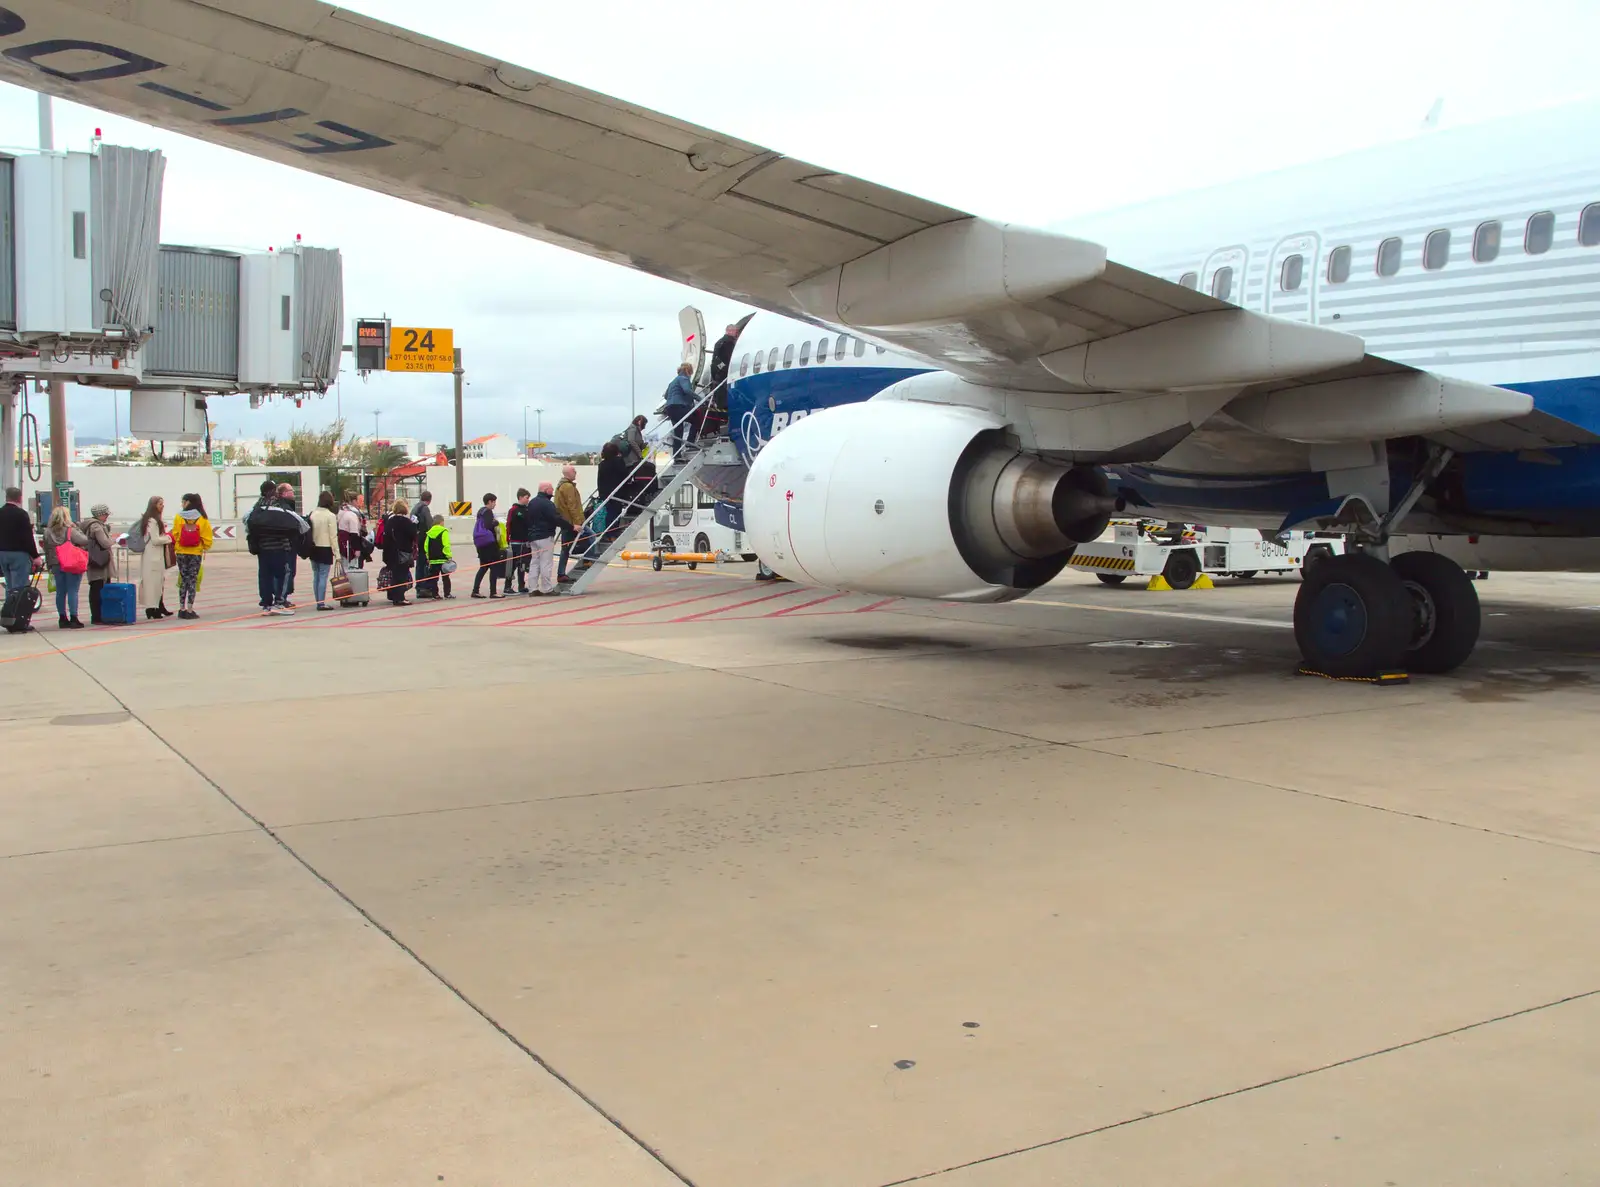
x=413, y=348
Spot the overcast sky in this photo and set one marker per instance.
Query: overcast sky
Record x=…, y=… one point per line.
x=1017, y=109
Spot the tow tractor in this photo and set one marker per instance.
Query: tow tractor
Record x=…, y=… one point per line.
x=687, y=532
x=1181, y=553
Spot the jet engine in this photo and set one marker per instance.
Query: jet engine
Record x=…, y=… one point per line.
x=918, y=500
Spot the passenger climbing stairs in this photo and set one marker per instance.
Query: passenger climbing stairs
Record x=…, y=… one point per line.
x=601, y=540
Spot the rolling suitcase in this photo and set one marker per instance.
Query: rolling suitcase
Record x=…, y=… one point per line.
x=359, y=581
x=18, y=608
x=119, y=603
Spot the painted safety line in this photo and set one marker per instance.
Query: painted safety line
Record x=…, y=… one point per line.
x=803, y=605
x=721, y=593
x=714, y=611
x=874, y=606
x=1190, y=614
x=586, y=607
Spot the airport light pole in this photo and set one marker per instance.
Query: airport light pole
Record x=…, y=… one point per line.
x=376, y=412
x=633, y=333
x=539, y=424
x=524, y=434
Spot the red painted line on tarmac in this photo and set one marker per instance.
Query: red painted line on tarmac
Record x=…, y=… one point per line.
x=782, y=593
x=803, y=605
x=874, y=606
x=721, y=593
x=585, y=609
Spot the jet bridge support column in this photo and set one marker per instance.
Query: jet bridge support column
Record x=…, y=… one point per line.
x=8, y=435
x=59, y=460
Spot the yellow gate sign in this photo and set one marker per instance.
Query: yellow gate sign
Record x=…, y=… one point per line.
x=414, y=348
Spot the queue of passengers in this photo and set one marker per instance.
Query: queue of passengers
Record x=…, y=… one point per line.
x=73, y=554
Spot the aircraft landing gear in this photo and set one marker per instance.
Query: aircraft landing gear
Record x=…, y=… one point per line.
x=1363, y=613
x=1357, y=616
x=1444, y=611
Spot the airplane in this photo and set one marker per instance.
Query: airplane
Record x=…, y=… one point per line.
x=1403, y=337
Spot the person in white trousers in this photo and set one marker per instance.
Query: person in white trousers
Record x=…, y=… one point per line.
x=544, y=529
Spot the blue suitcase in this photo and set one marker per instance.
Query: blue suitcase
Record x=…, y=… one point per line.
x=119, y=603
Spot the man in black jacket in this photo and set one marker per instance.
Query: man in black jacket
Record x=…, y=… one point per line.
x=274, y=531
x=19, y=551
x=517, y=542
x=544, y=524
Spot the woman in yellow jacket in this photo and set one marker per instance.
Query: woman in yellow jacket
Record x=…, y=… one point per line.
x=191, y=540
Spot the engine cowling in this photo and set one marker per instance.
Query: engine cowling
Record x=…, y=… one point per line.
x=917, y=500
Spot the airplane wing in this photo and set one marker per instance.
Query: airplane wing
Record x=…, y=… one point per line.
x=343, y=95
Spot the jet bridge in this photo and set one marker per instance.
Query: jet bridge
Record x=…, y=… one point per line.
x=89, y=295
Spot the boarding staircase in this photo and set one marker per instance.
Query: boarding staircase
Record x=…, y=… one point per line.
x=603, y=543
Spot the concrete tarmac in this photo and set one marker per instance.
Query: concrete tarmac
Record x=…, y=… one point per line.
x=697, y=880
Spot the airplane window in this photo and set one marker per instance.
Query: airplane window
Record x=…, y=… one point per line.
x=772, y=359
x=1436, y=250
x=861, y=348
x=1293, y=269
x=822, y=350
x=1339, y=265
x=1222, y=283
x=883, y=350
x=1541, y=232
x=1190, y=280
x=1589, y=226
x=805, y=352
x=755, y=364
x=788, y=355
x=744, y=366
x=838, y=350
x=1388, y=257
x=1486, y=242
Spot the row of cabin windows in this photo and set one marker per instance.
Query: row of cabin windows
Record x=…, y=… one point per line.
x=751, y=364
x=1538, y=237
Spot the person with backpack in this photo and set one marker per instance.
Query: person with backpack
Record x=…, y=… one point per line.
x=102, y=558
x=192, y=538
x=486, y=539
x=630, y=442
x=517, y=542
x=272, y=533
x=66, y=554
x=441, y=561
x=150, y=534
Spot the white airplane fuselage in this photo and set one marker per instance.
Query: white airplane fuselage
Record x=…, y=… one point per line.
x=1471, y=252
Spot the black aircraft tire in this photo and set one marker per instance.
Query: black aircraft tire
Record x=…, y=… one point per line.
x=1112, y=578
x=1445, y=613
x=1182, y=569
x=1352, y=617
